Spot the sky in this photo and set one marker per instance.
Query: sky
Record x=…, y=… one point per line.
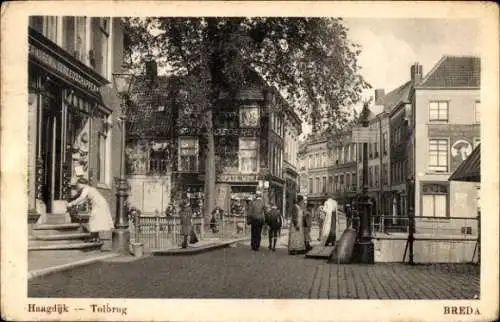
x=391, y=46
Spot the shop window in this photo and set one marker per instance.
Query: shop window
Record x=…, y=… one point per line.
x=188, y=154
x=434, y=200
x=248, y=155
x=438, y=155
x=249, y=116
x=438, y=111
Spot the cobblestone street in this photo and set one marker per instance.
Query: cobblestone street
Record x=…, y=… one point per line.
x=240, y=273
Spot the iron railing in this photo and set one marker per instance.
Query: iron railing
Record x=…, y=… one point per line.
x=155, y=231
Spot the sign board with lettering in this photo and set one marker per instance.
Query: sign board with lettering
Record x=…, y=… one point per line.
x=363, y=135
x=237, y=177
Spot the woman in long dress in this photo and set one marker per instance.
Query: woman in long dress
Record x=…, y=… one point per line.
x=100, y=215
x=329, y=225
x=296, y=243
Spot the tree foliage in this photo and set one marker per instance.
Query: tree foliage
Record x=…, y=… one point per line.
x=310, y=61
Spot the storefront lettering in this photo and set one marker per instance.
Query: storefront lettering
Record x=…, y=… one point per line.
x=238, y=177
x=60, y=67
x=236, y=132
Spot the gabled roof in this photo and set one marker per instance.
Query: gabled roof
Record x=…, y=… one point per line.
x=150, y=112
x=397, y=96
x=453, y=72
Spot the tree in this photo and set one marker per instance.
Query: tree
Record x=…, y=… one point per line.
x=310, y=60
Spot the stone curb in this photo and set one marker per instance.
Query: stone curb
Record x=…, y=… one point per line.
x=49, y=270
x=197, y=250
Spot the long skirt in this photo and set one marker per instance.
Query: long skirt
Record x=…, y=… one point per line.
x=100, y=218
x=296, y=239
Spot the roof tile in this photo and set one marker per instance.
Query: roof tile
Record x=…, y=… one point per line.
x=455, y=71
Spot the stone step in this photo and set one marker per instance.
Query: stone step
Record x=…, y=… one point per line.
x=56, y=226
x=73, y=246
x=61, y=236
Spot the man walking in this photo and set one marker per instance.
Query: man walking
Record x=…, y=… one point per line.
x=255, y=218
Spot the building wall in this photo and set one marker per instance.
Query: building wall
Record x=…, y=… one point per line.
x=460, y=126
x=83, y=38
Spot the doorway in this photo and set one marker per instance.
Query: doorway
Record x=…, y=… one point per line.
x=50, y=151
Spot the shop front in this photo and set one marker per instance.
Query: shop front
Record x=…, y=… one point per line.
x=68, y=126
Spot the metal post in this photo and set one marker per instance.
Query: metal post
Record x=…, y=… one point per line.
x=364, y=246
x=121, y=234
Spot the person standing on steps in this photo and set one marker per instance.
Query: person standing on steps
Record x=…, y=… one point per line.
x=255, y=218
x=100, y=216
x=274, y=222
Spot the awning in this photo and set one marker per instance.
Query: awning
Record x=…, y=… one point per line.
x=470, y=169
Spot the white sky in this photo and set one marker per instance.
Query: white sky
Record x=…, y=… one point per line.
x=391, y=46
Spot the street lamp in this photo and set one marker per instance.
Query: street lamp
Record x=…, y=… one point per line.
x=364, y=248
x=121, y=235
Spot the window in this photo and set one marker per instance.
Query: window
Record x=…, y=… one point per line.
x=81, y=32
x=354, y=180
x=376, y=149
x=188, y=154
x=248, y=152
x=317, y=163
x=376, y=175
x=341, y=155
x=354, y=147
x=310, y=161
x=50, y=27
x=323, y=187
x=330, y=184
x=477, y=141
x=317, y=185
x=348, y=181
x=438, y=111
x=324, y=159
x=438, y=155
x=36, y=22
x=434, y=200
x=103, y=155
x=341, y=182
x=310, y=185
x=336, y=184
x=477, y=112
x=249, y=116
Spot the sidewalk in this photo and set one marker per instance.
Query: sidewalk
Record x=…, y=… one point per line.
x=203, y=245
x=46, y=262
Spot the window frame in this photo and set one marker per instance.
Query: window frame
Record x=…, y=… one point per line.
x=439, y=119
x=257, y=146
x=437, y=156
x=197, y=154
x=244, y=107
x=423, y=185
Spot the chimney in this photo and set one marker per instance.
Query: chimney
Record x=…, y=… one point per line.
x=416, y=73
x=379, y=96
x=151, y=68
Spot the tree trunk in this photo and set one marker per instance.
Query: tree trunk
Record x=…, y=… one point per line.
x=209, y=166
